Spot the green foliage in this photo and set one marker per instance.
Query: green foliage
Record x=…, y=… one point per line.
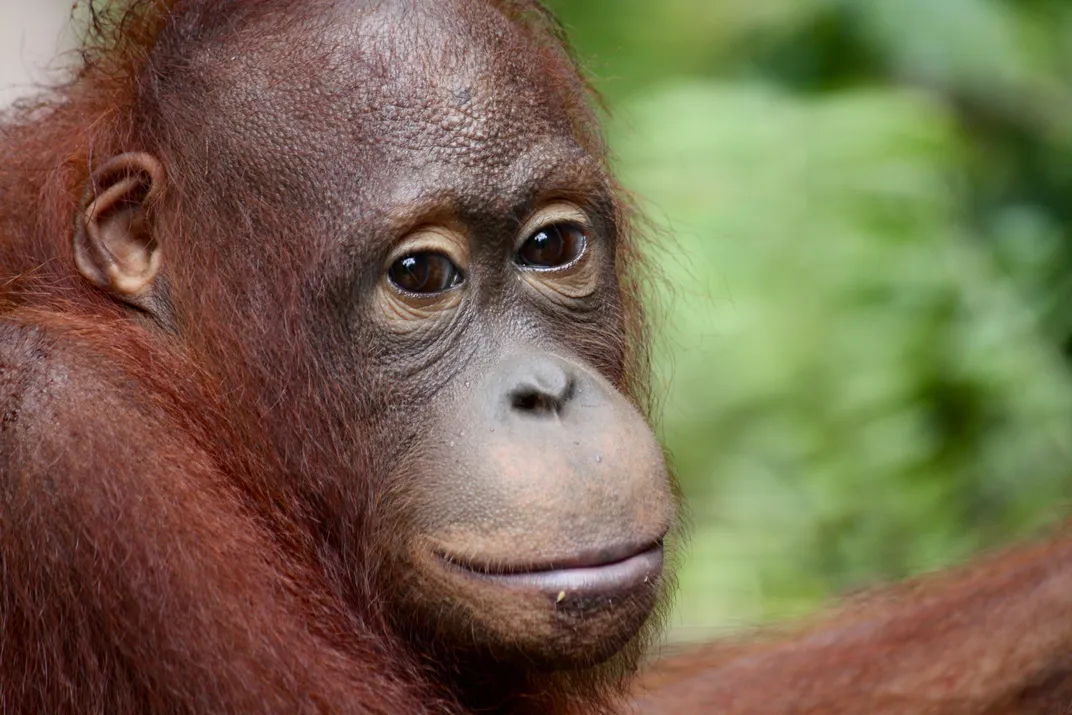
x=865, y=339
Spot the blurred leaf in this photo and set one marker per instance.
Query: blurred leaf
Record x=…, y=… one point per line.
x=990, y=44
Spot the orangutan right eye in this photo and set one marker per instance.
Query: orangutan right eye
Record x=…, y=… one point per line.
x=425, y=273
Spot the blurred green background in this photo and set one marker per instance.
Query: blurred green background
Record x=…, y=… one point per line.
x=865, y=352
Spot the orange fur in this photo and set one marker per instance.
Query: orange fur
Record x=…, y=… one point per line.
x=992, y=638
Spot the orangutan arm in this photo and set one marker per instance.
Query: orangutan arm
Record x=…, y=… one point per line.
x=994, y=638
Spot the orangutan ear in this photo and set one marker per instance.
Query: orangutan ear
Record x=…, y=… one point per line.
x=115, y=245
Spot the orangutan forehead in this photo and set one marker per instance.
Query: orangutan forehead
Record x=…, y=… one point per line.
x=457, y=71
x=382, y=44
x=436, y=35
x=420, y=86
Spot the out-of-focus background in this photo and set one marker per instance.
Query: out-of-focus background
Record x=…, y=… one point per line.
x=865, y=353
x=32, y=33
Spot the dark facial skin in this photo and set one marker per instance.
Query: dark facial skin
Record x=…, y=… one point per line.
x=456, y=237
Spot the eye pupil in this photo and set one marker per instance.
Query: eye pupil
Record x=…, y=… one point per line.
x=553, y=246
x=424, y=273
x=546, y=247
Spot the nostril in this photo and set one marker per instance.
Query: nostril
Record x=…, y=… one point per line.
x=533, y=401
x=542, y=393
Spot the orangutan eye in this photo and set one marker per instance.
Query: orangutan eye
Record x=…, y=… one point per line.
x=553, y=246
x=425, y=273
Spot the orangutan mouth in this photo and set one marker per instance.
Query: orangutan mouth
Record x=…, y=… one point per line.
x=595, y=573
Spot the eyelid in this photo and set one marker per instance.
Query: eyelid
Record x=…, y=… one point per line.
x=554, y=213
x=432, y=239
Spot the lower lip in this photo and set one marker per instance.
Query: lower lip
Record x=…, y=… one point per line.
x=623, y=575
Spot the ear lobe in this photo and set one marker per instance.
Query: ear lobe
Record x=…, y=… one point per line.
x=115, y=246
